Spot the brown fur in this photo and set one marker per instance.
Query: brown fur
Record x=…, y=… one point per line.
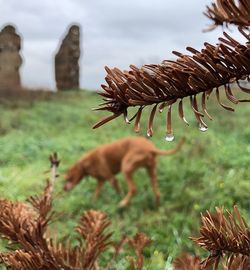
x=124, y=155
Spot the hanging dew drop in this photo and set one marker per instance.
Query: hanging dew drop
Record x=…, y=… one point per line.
x=202, y=128
x=137, y=129
x=149, y=133
x=185, y=120
x=169, y=137
x=127, y=120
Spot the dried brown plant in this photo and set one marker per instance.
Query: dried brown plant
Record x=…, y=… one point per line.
x=227, y=237
x=92, y=228
x=15, y=217
x=25, y=227
x=138, y=243
x=199, y=72
x=225, y=12
x=239, y=263
x=164, y=84
x=187, y=261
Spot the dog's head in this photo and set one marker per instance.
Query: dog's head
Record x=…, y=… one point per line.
x=74, y=175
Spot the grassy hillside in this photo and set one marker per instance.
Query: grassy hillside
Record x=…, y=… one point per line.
x=211, y=170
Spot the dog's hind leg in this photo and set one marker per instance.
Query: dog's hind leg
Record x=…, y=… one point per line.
x=98, y=189
x=151, y=168
x=115, y=184
x=131, y=189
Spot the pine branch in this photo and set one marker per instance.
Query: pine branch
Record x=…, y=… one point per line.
x=225, y=12
x=187, y=262
x=226, y=236
x=163, y=85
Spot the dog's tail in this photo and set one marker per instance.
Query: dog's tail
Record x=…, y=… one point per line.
x=171, y=151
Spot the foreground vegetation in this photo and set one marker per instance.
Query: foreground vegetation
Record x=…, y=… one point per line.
x=212, y=168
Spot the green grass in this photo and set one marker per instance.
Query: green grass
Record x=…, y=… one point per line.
x=212, y=169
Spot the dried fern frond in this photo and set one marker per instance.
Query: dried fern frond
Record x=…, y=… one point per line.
x=225, y=12
x=226, y=236
x=26, y=227
x=239, y=263
x=55, y=255
x=20, y=260
x=187, y=262
x=190, y=262
x=16, y=220
x=138, y=243
x=43, y=204
x=92, y=228
x=171, y=81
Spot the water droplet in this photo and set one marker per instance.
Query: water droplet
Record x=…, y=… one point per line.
x=137, y=129
x=161, y=110
x=127, y=120
x=202, y=128
x=185, y=120
x=169, y=137
x=149, y=133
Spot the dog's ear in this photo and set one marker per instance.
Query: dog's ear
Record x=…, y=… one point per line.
x=85, y=164
x=82, y=168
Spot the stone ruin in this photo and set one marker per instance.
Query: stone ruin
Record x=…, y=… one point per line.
x=10, y=59
x=67, y=61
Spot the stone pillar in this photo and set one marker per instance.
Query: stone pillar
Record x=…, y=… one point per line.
x=67, y=61
x=10, y=59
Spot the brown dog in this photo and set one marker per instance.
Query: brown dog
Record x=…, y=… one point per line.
x=124, y=155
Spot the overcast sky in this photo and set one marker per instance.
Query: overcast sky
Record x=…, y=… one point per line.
x=114, y=33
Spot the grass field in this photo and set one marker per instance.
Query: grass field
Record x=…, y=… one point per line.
x=212, y=169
